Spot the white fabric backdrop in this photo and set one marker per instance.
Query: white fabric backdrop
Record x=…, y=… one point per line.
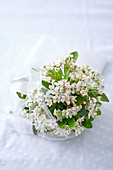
x=87, y=24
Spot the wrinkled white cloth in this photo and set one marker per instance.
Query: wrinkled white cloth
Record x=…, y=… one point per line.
x=87, y=24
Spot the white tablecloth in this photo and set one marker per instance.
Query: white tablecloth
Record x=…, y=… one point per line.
x=87, y=24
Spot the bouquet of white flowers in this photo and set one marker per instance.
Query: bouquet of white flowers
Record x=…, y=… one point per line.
x=66, y=100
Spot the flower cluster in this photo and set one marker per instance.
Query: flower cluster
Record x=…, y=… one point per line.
x=67, y=99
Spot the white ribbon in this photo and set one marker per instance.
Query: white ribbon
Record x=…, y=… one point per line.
x=45, y=108
x=34, y=80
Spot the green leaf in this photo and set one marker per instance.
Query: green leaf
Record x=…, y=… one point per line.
x=66, y=71
x=65, y=68
x=71, y=123
x=63, y=123
x=98, y=112
x=44, y=90
x=49, y=131
x=87, y=123
x=26, y=108
x=60, y=114
x=21, y=96
x=75, y=55
x=93, y=89
x=51, y=73
x=60, y=106
x=53, y=107
x=59, y=75
x=67, y=74
x=83, y=112
x=104, y=98
x=80, y=99
x=92, y=94
x=69, y=79
x=99, y=103
x=91, y=118
x=46, y=84
x=35, y=70
x=55, y=75
x=34, y=130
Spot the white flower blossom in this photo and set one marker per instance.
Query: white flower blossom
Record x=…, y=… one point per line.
x=57, y=69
